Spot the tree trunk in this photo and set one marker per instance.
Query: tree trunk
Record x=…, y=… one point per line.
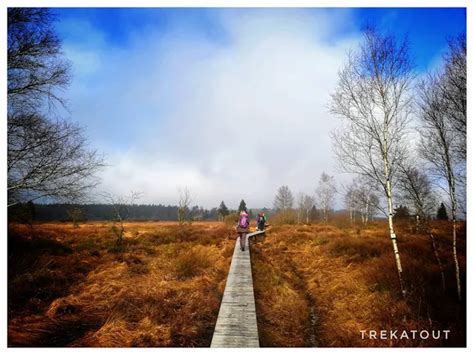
x=121, y=230
x=393, y=236
x=366, y=211
x=452, y=195
x=456, y=262
x=441, y=270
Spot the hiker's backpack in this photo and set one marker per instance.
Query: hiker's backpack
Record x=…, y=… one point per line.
x=244, y=221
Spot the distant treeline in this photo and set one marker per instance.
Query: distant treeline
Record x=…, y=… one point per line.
x=95, y=212
x=143, y=212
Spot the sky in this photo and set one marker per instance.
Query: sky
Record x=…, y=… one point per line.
x=231, y=103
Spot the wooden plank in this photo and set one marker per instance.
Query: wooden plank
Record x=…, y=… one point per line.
x=236, y=325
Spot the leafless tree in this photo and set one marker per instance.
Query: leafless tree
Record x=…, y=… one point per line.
x=373, y=206
x=37, y=70
x=361, y=200
x=325, y=194
x=305, y=204
x=366, y=200
x=373, y=99
x=453, y=87
x=121, y=208
x=284, y=199
x=183, y=205
x=75, y=213
x=438, y=146
x=417, y=191
x=46, y=158
x=350, y=200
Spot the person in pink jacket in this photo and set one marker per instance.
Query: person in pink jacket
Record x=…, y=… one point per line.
x=243, y=228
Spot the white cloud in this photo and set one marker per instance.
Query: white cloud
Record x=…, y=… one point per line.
x=232, y=119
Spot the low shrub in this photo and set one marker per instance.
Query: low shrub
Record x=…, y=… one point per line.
x=231, y=219
x=192, y=262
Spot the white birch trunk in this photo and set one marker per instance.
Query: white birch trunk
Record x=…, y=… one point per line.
x=366, y=210
x=393, y=236
x=452, y=192
x=441, y=270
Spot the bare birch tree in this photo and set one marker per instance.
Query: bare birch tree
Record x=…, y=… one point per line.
x=454, y=94
x=284, y=199
x=305, y=204
x=350, y=201
x=366, y=200
x=416, y=190
x=361, y=200
x=325, y=194
x=439, y=147
x=373, y=99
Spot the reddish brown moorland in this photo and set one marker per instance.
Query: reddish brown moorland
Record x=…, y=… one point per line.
x=320, y=285
x=315, y=285
x=75, y=287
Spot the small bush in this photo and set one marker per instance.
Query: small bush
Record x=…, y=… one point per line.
x=116, y=248
x=231, y=219
x=192, y=262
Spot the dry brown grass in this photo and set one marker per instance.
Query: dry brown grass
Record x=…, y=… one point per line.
x=75, y=287
x=314, y=285
x=320, y=285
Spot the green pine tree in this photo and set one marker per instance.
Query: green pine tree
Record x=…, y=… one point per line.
x=242, y=206
x=223, y=210
x=442, y=214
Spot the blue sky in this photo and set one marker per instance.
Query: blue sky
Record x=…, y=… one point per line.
x=427, y=28
x=165, y=93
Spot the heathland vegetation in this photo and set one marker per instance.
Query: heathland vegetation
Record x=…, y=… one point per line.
x=316, y=284
x=75, y=286
x=322, y=284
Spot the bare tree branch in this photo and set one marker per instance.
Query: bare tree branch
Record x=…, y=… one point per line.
x=46, y=158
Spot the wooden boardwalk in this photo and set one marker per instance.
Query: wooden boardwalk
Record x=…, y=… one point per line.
x=236, y=325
